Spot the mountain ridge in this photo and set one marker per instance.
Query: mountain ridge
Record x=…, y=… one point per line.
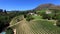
x=49, y=6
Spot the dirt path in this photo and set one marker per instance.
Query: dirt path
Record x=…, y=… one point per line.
x=24, y=28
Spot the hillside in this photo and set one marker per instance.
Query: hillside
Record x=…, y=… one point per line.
x=49, y=6
x=39, y=26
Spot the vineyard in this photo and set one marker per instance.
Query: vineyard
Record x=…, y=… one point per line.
x=36, y=27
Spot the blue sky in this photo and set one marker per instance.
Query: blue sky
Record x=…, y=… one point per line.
x=24, y=4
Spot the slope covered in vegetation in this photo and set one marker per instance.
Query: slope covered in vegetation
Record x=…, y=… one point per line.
x=36, y=27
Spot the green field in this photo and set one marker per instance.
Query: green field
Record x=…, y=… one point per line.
x=37, y=27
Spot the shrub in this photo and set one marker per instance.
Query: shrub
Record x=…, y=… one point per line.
x=58, y=23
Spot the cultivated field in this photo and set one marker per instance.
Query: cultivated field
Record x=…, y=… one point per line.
x=36, y=27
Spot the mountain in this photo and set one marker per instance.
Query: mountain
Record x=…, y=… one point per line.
x=49, y=6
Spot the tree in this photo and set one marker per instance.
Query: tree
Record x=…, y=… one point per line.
x=29, y=17
x=4, y=22
x=1, y=10
x=9, y=31
x=5, y=11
